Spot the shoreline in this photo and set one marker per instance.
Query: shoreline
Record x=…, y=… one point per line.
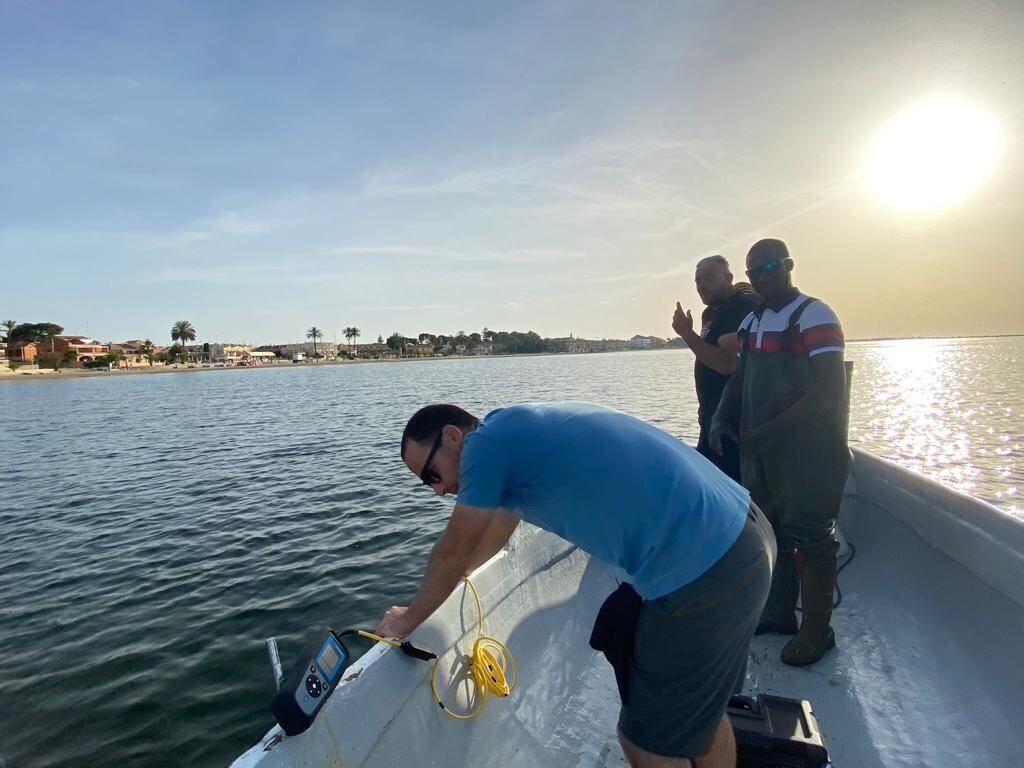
x=82, y=373
x=7, y=375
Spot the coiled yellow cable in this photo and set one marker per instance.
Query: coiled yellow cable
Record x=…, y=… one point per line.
x=490, y=663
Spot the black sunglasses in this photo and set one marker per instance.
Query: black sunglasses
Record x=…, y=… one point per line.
x=765, y=269
x=427, y=475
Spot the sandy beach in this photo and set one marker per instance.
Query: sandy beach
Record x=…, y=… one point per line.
x=46, y=374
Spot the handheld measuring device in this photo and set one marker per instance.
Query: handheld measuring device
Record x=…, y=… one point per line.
x=310, y=681
x=316, y=673
x=303, y=692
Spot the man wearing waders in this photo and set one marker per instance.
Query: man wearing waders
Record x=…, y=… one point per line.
x=789, y=391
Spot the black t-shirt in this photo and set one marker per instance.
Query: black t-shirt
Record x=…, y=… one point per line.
x=716, y=322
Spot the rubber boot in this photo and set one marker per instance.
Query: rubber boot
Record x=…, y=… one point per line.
x=817, y=583
x=779, y=614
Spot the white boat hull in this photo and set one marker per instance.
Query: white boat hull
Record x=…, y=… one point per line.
x=926, y=673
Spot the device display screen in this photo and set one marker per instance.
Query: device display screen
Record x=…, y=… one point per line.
x=329, y=660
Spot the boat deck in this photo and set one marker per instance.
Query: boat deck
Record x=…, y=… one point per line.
x=926, y=672
x=927, y=669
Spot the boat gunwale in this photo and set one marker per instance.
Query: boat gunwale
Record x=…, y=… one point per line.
x=986, y=540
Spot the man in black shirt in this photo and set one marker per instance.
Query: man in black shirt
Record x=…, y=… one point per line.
x=715, y=347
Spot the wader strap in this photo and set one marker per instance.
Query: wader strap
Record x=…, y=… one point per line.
x=792, y=342
x=791, y=326
x=799, y=311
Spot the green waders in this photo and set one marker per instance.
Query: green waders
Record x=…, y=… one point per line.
x=797, y=480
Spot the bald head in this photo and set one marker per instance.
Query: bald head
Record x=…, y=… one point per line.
x=769, y=268
x=768, y=249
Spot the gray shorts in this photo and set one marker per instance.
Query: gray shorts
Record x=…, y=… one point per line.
x=691, y=646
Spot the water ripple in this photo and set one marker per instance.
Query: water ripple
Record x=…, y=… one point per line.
x=157, y=529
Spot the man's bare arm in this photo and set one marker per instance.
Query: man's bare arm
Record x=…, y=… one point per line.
x=448, y=561
x=721, y=358
x=498, y=532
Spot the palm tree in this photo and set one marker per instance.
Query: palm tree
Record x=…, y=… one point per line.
x=183, y=331
x=146, y=348
x=314, y=333
x=352, y=333
x=8, y=326
x=50, y=332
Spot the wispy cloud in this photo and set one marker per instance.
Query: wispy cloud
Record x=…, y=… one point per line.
x=603, y=173
x=625, y=277
x=225, y=224
x=260, y=274
x=508, y=256
x=404, y=307
x=225, y=274
x=799, y=202
x=79, y=85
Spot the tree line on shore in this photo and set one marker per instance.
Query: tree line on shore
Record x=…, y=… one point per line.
x=495, y=342
x=45, y=336
x=183, y=332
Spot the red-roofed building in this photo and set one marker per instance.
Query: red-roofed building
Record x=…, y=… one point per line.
x=23, y=351
x=86, y=350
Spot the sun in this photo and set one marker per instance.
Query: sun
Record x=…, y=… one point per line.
x=932, y=156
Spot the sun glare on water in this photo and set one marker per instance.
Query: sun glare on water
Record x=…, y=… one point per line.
x=932, y=156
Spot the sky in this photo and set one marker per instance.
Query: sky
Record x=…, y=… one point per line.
x=258, y=168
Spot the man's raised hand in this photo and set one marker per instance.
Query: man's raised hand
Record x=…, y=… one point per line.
x=682, y=321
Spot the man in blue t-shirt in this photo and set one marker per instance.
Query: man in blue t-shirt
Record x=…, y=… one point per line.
x=633, y=496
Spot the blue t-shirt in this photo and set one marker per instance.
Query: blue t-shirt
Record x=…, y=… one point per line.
x=622, y=490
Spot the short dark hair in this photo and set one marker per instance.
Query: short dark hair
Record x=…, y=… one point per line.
x=769, y=247
x=428, y=421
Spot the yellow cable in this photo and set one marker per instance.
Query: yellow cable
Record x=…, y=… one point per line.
x=378, y=638
x=489, y=663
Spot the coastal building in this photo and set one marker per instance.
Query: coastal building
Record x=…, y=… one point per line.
x=23, y=352
x=133, y=354
x=375, y=351
x=85, y=349
x=602, y=345
x=565, y=344
x=277, y=350
x=3, y=352
x=230, y=353
x=648, y=342
x=326, y=348
x=261, y=357
x=418, y=349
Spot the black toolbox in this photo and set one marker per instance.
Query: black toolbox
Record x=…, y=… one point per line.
x=775, y=732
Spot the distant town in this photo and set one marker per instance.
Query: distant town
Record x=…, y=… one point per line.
x=37, y=347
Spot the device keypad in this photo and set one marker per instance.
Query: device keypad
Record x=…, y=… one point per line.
x=313, y=686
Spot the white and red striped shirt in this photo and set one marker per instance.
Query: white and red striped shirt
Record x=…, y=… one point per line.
x=816, y=331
